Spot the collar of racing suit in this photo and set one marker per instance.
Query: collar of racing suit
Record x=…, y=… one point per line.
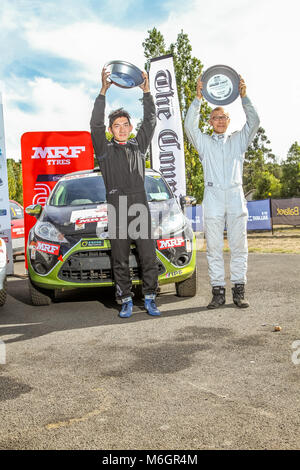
x=219, y=137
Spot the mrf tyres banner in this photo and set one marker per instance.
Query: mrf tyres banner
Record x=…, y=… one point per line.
x=46, y=156
x=5, y=227
x=286, y=211
x=167, y=146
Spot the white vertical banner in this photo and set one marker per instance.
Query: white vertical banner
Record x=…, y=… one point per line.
x=5, y=227
x=167, y=146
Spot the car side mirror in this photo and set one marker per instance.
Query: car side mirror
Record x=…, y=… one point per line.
x=35, y=210
x=187, y=201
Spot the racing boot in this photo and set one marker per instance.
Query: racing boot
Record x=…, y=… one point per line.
x=150, y=305
x=126, y=310
x=218, y=299
x=238, y=295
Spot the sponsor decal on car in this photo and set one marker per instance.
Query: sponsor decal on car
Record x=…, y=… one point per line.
x=175, y=273
x=32, y=249
x=170, y=242
x=18, y=230
x=90, y=220
x=77, y=216
x=48, y=248
x=94, y=243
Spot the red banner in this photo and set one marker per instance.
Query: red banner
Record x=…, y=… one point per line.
x=46, y=156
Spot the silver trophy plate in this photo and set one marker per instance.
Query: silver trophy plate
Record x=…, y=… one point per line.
x=220, y=85
x=124, y=74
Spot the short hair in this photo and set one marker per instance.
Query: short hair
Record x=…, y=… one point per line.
x=117, y=114
x=219, y=108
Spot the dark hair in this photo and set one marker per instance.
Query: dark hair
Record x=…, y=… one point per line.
x=117, y=114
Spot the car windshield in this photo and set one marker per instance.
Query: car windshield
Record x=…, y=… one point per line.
x=75, y=190
x=156, y=188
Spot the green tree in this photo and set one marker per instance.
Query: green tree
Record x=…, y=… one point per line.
x=19, y=182
x=15, y=180
x=12, y=187
x=267, y=185
x=154, y=46
x=187, y=70
x=291, y=173
x=258, y=159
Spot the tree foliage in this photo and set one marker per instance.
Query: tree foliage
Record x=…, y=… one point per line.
x=187, y=70
x=15, y=180
x=291, y=172
x=262, y=172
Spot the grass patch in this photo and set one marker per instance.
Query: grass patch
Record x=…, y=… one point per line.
x=284, y=239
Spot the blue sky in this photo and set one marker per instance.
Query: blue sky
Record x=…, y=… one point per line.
x=52, y=53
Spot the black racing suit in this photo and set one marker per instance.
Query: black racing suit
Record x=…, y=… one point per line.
x=123, y=170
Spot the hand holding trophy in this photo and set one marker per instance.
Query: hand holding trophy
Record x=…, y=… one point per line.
x=221, y=85
x=123, y=74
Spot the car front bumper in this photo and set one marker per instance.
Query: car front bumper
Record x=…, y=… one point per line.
x=87, y=265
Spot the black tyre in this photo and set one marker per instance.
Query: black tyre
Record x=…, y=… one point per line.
x=3, y=294
x=38, y=297
x=187, y=288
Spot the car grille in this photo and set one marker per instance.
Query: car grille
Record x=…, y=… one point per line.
x=94, y=266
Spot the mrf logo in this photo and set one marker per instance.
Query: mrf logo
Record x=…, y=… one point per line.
x=48, y=248
x=57, y=155
x=170, y=243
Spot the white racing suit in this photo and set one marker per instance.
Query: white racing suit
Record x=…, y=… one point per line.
x=222, y=159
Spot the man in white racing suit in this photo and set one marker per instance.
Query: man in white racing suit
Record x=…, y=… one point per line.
x=222, y=158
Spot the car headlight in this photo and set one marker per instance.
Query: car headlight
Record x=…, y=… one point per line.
x=169, y=225
x=47, y=231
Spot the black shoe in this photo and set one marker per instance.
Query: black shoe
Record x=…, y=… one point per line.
x=238, y=295
x=218, y=297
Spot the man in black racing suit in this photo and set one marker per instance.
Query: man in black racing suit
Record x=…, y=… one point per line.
x=122, y=163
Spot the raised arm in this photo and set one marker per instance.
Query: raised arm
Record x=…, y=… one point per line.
x=145, y=132
x=249, y=130
x=97, y=119
x=191, y=122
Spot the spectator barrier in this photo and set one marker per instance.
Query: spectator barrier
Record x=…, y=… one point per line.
x=262, y=214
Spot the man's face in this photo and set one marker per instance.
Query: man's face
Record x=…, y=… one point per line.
x=220, y=121
x=121, y=129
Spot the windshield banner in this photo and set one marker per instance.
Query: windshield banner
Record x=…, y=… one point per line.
x=167, y=146
x=46, y=156
x=5, y=227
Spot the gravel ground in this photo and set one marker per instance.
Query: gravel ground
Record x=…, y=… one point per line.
x=76, y=376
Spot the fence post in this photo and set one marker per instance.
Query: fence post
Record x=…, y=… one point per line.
x=270, y=199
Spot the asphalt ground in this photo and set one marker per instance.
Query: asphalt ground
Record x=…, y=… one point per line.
x=76, y=376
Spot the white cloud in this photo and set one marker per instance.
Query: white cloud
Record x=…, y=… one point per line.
x=258, y=38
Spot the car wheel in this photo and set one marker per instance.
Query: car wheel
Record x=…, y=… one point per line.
x=3, y=294
x=187, y=288
x=37, y=296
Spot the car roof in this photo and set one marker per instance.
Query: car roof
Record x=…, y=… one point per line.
x=148, y=171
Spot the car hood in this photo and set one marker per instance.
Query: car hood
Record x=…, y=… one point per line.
x=86, y=219
x=80, y=219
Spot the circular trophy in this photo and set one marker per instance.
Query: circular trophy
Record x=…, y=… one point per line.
x=220, y=85
x=124, y=74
